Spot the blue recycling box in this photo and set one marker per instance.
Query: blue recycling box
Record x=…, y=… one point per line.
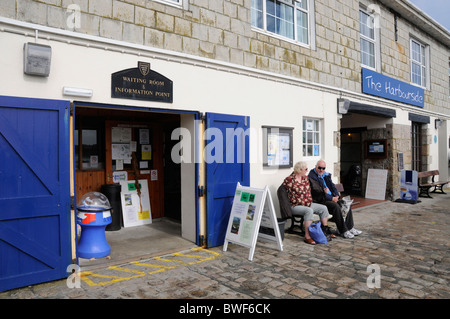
x=93, y=215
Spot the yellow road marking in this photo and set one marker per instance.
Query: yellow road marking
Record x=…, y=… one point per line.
x=88, y=276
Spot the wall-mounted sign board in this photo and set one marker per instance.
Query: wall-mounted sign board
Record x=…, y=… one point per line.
x=249, y=206
x=141, y=83
x=377, y=84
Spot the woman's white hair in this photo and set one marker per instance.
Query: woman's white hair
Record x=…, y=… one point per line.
x=299, y=166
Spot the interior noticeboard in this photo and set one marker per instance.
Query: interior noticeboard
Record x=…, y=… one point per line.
x=249, y=207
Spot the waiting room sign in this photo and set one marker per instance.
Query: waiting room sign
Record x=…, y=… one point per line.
x=141, y=83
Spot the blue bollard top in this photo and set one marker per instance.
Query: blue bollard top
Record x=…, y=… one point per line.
x=93, y=202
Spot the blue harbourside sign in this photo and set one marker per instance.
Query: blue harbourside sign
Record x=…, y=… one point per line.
x=377, y=84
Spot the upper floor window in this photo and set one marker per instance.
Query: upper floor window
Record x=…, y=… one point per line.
x=175, y=2
x=418, y=63
x=288, y=18
x=368, y=39
x=449, y=78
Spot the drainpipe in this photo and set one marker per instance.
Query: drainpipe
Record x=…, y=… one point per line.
x=202, y=184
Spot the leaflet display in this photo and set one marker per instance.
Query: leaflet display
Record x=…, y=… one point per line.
x=249, y=206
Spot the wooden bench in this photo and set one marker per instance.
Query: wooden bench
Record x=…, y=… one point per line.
x=425, y=185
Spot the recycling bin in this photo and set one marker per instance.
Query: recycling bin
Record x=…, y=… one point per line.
x=93, y=215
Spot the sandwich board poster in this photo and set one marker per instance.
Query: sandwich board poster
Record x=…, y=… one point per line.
x=245, y=218
x=135, y=208
x=376, y=183
x=408, y=185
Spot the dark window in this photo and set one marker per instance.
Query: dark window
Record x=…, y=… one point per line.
x=416, y=141
x=89, y=133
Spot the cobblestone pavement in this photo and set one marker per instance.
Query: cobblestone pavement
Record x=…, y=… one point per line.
x=407, y=245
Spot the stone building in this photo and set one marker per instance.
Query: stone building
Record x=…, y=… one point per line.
x=303, y=80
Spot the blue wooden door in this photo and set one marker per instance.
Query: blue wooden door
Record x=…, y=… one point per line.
x=227, y=162
x=34, y=191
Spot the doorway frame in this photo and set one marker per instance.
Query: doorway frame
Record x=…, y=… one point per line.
x=197, y=118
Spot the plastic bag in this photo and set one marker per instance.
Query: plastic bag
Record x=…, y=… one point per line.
x=316, y=233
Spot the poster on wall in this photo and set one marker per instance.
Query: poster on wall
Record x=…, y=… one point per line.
x=245, y=218
x=135, y=207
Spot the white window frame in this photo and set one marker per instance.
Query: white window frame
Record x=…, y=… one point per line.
x=311, y=22
x=316, y=137
x=423, y=63
x=175, y=3
x=375, y=40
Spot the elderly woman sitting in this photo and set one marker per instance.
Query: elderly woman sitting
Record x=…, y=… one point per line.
x=299, y=194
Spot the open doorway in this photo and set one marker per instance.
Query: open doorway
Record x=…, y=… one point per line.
x=96, y=164
x=351, y=160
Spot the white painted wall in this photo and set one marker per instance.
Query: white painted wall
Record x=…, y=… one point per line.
x=195, y=88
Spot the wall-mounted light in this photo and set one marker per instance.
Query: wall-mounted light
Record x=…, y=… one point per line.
x=77, y=92
x=36, y=59
x=438, y=123
x=343, y=106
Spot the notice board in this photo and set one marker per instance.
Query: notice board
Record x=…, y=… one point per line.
x=376, y=184
x=249, y=206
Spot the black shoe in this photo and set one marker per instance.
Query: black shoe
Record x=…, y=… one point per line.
x=327, y=232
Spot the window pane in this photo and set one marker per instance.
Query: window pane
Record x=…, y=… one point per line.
x=367, y=53
x=309, y=137
x=422, y=51
x=316, y=150
x=257, y=13
x=424, y=76
x=271, y=23
x=415, y=51
x=366, y=25
x=302, y=4
x=270, y=7
x=90, y=147
x=280, y=18
x=316, y=138
x=416, y=76
x=309, y=150
x=302, y=27
x=174, y=1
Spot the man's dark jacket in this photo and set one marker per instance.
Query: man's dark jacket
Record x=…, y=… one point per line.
x=317, y=187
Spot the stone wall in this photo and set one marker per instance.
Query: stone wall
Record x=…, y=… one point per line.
x=398, y=141
x=222, y=30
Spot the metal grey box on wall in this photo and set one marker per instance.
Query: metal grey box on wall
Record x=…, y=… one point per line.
x=37, y=59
